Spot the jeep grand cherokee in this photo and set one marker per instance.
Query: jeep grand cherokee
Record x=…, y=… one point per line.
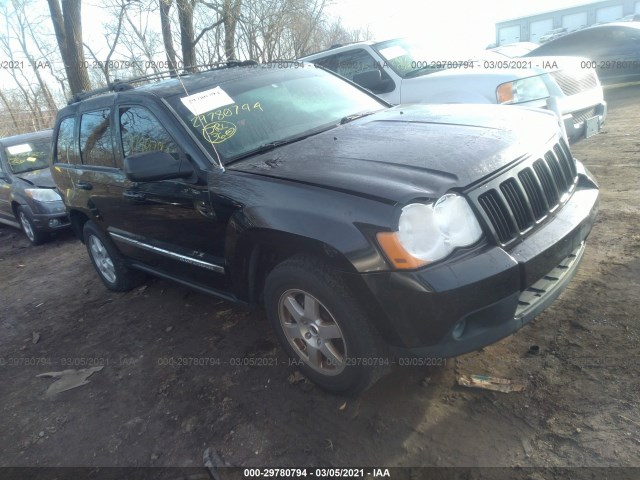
x=363, y=229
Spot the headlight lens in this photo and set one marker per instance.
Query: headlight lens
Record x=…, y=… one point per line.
x=428, y=233
x=522, y=90
x=45, y=195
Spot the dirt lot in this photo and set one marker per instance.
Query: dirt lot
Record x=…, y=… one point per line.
x=581, y=406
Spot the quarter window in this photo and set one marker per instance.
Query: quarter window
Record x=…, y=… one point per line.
x=96, y=139
x=141, y=132
x=66, y=147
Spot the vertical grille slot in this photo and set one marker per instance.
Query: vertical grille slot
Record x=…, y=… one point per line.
x=498, y=214
x=518, y=203
x=549, y=188
x=556, y=172
x=534, y=193
x=567, y=162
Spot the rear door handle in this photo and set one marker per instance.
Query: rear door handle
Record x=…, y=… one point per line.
x=135, y=196
x=84, y=186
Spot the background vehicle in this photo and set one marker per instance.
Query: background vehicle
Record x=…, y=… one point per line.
x=28, y=198
x=553, y=34
x=401, y=71
x=613, y=50
x=428, y=230
x=514, y=50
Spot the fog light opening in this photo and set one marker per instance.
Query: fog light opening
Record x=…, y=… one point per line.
x=54, y=222
x=459, y=329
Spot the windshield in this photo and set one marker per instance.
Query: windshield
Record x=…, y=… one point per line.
x=410, y=59
x=274, y=105
x=28, y=156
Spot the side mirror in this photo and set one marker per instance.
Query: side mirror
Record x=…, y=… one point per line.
x=154, y=166
x=370, y=80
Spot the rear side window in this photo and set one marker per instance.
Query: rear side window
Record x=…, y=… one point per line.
x=66, y=147
x=141, y=132
x=96, y=139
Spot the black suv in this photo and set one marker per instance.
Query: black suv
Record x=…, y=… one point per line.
x=28, y=198
x=364, y=230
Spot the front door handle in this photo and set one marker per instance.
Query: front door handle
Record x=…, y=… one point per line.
x=135, y=196
x=84, y=186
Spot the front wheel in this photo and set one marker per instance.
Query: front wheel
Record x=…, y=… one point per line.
x=28, y=227
x=107, y=261
x=322, y=327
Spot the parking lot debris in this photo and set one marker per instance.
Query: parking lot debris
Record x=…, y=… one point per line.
x=140, y=290
x=296, y=377
x=213, y=462
x=68, y=379
x=343, y=406
x=487, y=382
x=35, y=337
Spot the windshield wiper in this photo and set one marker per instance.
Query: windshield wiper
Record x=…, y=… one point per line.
x=351, y=118
x=265, y=147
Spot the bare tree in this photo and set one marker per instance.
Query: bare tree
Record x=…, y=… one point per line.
x=185, y=16
x=138, y=37
x=167, y=35
x=67, y=23
x=105, y=65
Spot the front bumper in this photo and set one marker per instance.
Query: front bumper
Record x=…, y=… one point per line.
x=585, y=123
x=488, y=293
x=50, y=216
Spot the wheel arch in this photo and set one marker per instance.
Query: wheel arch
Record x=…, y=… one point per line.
x=257, y=251
x=78, y=219
x=15, y=205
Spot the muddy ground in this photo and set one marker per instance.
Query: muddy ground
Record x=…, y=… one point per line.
x=581, y=405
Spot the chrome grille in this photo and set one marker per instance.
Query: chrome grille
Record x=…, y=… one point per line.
x=515, y=202
x=575, y=81
x=582, y=115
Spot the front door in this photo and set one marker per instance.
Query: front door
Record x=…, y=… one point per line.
x=168, y=225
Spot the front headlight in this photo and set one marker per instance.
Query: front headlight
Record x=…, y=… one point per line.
x=429, y=232
x=44, y=195
x=522, y=90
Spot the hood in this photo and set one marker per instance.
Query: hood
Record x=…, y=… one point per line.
x=39, y=178
x=410, y=151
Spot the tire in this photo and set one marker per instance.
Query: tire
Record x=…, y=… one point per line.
x=28, y=226
x=108, y=262
x=333, y=344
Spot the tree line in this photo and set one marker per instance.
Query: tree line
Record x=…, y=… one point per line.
x=44, y=58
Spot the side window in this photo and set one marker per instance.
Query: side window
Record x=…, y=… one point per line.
x=330, y=62
x=96, y=139
x=354, y=63
x=66, y=147
x=141, y=132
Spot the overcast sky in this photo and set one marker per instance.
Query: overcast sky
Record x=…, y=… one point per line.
x=460, y=21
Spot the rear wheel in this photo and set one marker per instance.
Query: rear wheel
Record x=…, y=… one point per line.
x=322, y=327
x=108, y=262
x=28, y=227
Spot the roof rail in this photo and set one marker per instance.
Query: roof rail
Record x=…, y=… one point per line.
x=122, y=85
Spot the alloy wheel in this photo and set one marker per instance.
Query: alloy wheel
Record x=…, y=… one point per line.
x=313, y=332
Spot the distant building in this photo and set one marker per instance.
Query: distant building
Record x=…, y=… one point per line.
x=531, y=28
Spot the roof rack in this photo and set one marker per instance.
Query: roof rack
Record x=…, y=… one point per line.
x=123, y=85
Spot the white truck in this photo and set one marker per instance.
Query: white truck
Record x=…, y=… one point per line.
x=401, y=71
